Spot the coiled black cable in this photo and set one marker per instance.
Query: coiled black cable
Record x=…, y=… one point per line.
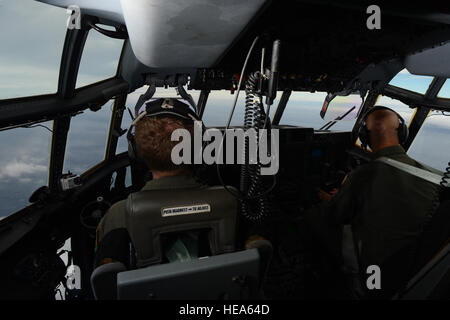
x=437, y=196
x=239, y=195
x=446, y=177
x=251, y=182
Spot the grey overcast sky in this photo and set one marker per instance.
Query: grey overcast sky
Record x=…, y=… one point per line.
x=31, y=41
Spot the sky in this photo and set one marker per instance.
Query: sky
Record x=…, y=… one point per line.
x=32, y=36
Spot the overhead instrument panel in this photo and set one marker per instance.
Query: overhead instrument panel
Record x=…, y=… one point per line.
x=185, y=33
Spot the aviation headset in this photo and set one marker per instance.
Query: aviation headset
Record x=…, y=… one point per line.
x=159, y=107
x=364, y=133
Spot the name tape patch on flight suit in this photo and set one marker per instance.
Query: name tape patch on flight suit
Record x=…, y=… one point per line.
x=178, y=211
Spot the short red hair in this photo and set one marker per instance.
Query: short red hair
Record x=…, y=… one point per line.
x=153, y=139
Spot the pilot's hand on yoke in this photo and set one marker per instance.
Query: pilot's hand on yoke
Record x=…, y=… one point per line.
x=327, y=196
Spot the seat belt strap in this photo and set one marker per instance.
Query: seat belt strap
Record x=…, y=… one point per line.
x=418, y=172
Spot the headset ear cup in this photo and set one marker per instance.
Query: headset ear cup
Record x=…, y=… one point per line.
x=133, y=151
x=364, y=135
x=403, y=132
x=131, y=148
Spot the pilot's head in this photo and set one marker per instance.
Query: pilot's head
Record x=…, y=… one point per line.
x=153, y=137
x=385, y=128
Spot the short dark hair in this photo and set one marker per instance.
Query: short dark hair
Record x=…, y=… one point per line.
x=153, y=139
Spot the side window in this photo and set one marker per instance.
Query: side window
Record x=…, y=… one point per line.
x=445, y=90
x=24, y=163
x=86, y=141
x=432, y=144
x=100, y=58
x=32, y=38
x=411, y=82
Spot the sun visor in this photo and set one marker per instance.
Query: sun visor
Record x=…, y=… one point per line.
x=185, y=33
x=430, y=62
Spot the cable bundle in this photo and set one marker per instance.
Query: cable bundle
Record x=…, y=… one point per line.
x=251, y=184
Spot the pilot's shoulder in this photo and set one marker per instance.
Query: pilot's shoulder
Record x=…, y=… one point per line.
x=116, y=209
x=113, y=219
x=363, y=170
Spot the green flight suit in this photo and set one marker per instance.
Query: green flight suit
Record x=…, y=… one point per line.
x=385, y=206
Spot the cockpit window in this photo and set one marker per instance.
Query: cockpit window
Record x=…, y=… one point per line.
x=86, y=141
x=303, y=109
x=218, y=108
x=445, y=90
x=406, y=81
x=220, y=103
x=24, y=163
x=32, y=38
x=432, y=144
x=100, y=58
x=411, y=82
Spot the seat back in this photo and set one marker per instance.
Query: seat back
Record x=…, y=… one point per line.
x=434, y=236
x=153, y=213
x=402, y=266
x=237, y=275
x=432, y=281
x=103, y=280
x=431, y=263
x=226, y=276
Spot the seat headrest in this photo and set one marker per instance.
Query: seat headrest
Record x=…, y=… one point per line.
x=152, y=213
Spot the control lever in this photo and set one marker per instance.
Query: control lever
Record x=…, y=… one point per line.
x=273, y=81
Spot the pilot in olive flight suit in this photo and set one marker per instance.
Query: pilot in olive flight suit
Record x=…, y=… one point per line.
x=153, y=139
x=384, y=206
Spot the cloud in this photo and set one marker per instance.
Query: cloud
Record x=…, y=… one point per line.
x=17, y=170
x=20, y=79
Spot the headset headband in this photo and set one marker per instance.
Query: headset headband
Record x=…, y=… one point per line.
x=169, y=106
x=363, y=132
x=165, y=107
x=159, y=107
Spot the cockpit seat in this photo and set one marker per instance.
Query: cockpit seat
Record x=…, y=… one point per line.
x=152, y=216
x=221, y=277
x=432, y=259
x=432, y=281
x=420, y=265
x=104, y=279
x=236, y=275
x=398, y=271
